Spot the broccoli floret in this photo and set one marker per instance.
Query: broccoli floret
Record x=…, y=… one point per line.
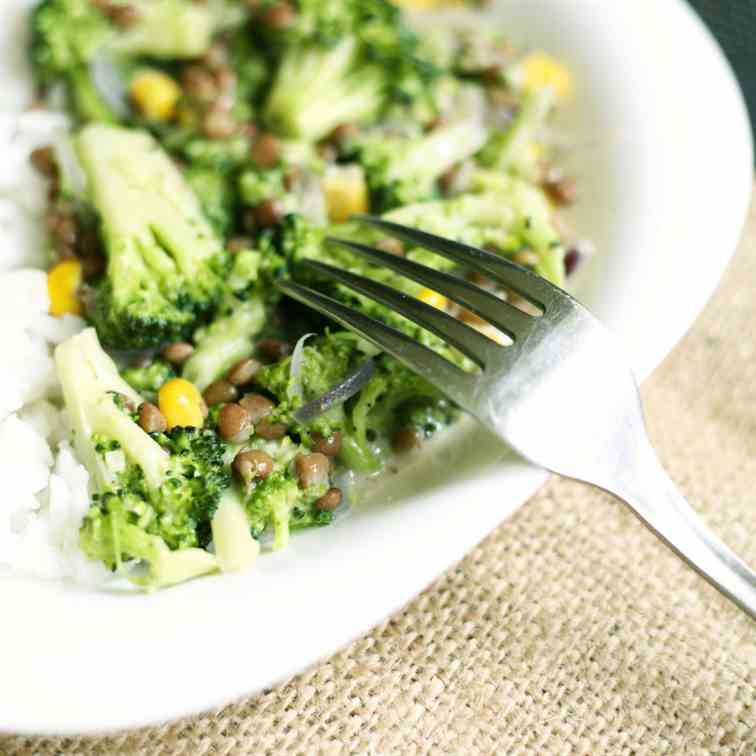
x=316, y=89
x=343, y=65
x=165, y=264
x=322, y=364
x=166, y=29
x=401, y=170
x=71, y=37
x=280, y=504
x=148, y=380
x=378, y=410
x=154, y=495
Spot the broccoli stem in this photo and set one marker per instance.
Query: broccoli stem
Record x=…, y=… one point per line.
x=235, y=549
x=87, y=377
x=224, y=342
x=510, y=150
x=87, y=102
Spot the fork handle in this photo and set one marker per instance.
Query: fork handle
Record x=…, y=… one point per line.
x=654, y=497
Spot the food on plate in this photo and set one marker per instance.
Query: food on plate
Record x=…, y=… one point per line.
x=193, y=153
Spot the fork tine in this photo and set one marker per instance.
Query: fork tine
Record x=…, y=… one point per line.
x=521, y=280
x=469, y=341
x=515, y=323
x=437, y=370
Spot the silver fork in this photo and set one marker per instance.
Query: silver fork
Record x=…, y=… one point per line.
x=561, y=394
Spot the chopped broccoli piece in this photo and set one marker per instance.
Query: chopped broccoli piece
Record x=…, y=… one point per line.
x=225, y=341
x=316, y=89
x=70, y=38
x=148, y=380
x=343, y=65
x=325, y=362
x=154, y=495
x=166, y=29
x=65, y=37
x=405, y=169
x=165, y=264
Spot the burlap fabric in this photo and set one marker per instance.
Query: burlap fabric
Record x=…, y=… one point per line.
x=570, y=630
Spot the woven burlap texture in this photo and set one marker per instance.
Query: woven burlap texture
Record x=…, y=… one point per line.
x=569, y=630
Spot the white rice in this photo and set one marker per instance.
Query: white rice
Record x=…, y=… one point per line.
x=44, y=488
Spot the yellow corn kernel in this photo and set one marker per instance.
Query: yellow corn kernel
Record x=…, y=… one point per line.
x=433, y=298
x=346, y=193
x=181, y=403
x=155, y=94
x=540, y=70
x=63, y=281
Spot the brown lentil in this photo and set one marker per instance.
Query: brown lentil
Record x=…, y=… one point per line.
x=199, y=83
x=268, y=213
x=342, y=134
x=43, y=159
x=469, y=317
x=178, y=352
x=329, y=500
x=218, y=124
x=279, y=16
x=92, y=266
x=238, y=243
x=258, y=406
x=234, y=423
x=392, y=246
x=252, y=463
x=561, y=191
x=151, y=418
x=447, y=180
x=571, y=261
x=266, y=151
x=405, y=440
x=526, y=258
x=243, y=372
x=329, y=446
x=274, y=349
x=219, y=392
x=312, y=469
x=66, y=231
x=270, y=431
x=216, y=56
x=226, y=78
x=124, y=15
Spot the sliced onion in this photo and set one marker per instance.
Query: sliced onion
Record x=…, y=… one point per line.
x=297, y=363
x=337, y=394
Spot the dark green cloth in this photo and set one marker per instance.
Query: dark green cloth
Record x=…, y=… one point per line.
x=733, y=22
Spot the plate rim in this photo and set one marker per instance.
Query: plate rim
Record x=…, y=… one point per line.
x=526, y=481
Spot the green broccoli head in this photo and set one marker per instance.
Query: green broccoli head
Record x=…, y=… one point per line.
x=154, y=496
x=71, y=37
x=279, y=503
x=66, y=35
x=401, y=170
x=323, y=363
x=343, y=63
x=165, y=263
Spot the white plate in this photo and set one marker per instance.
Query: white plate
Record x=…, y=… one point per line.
x=664, y=161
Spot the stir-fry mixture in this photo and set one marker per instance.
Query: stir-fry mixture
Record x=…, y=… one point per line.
x=216, y=144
